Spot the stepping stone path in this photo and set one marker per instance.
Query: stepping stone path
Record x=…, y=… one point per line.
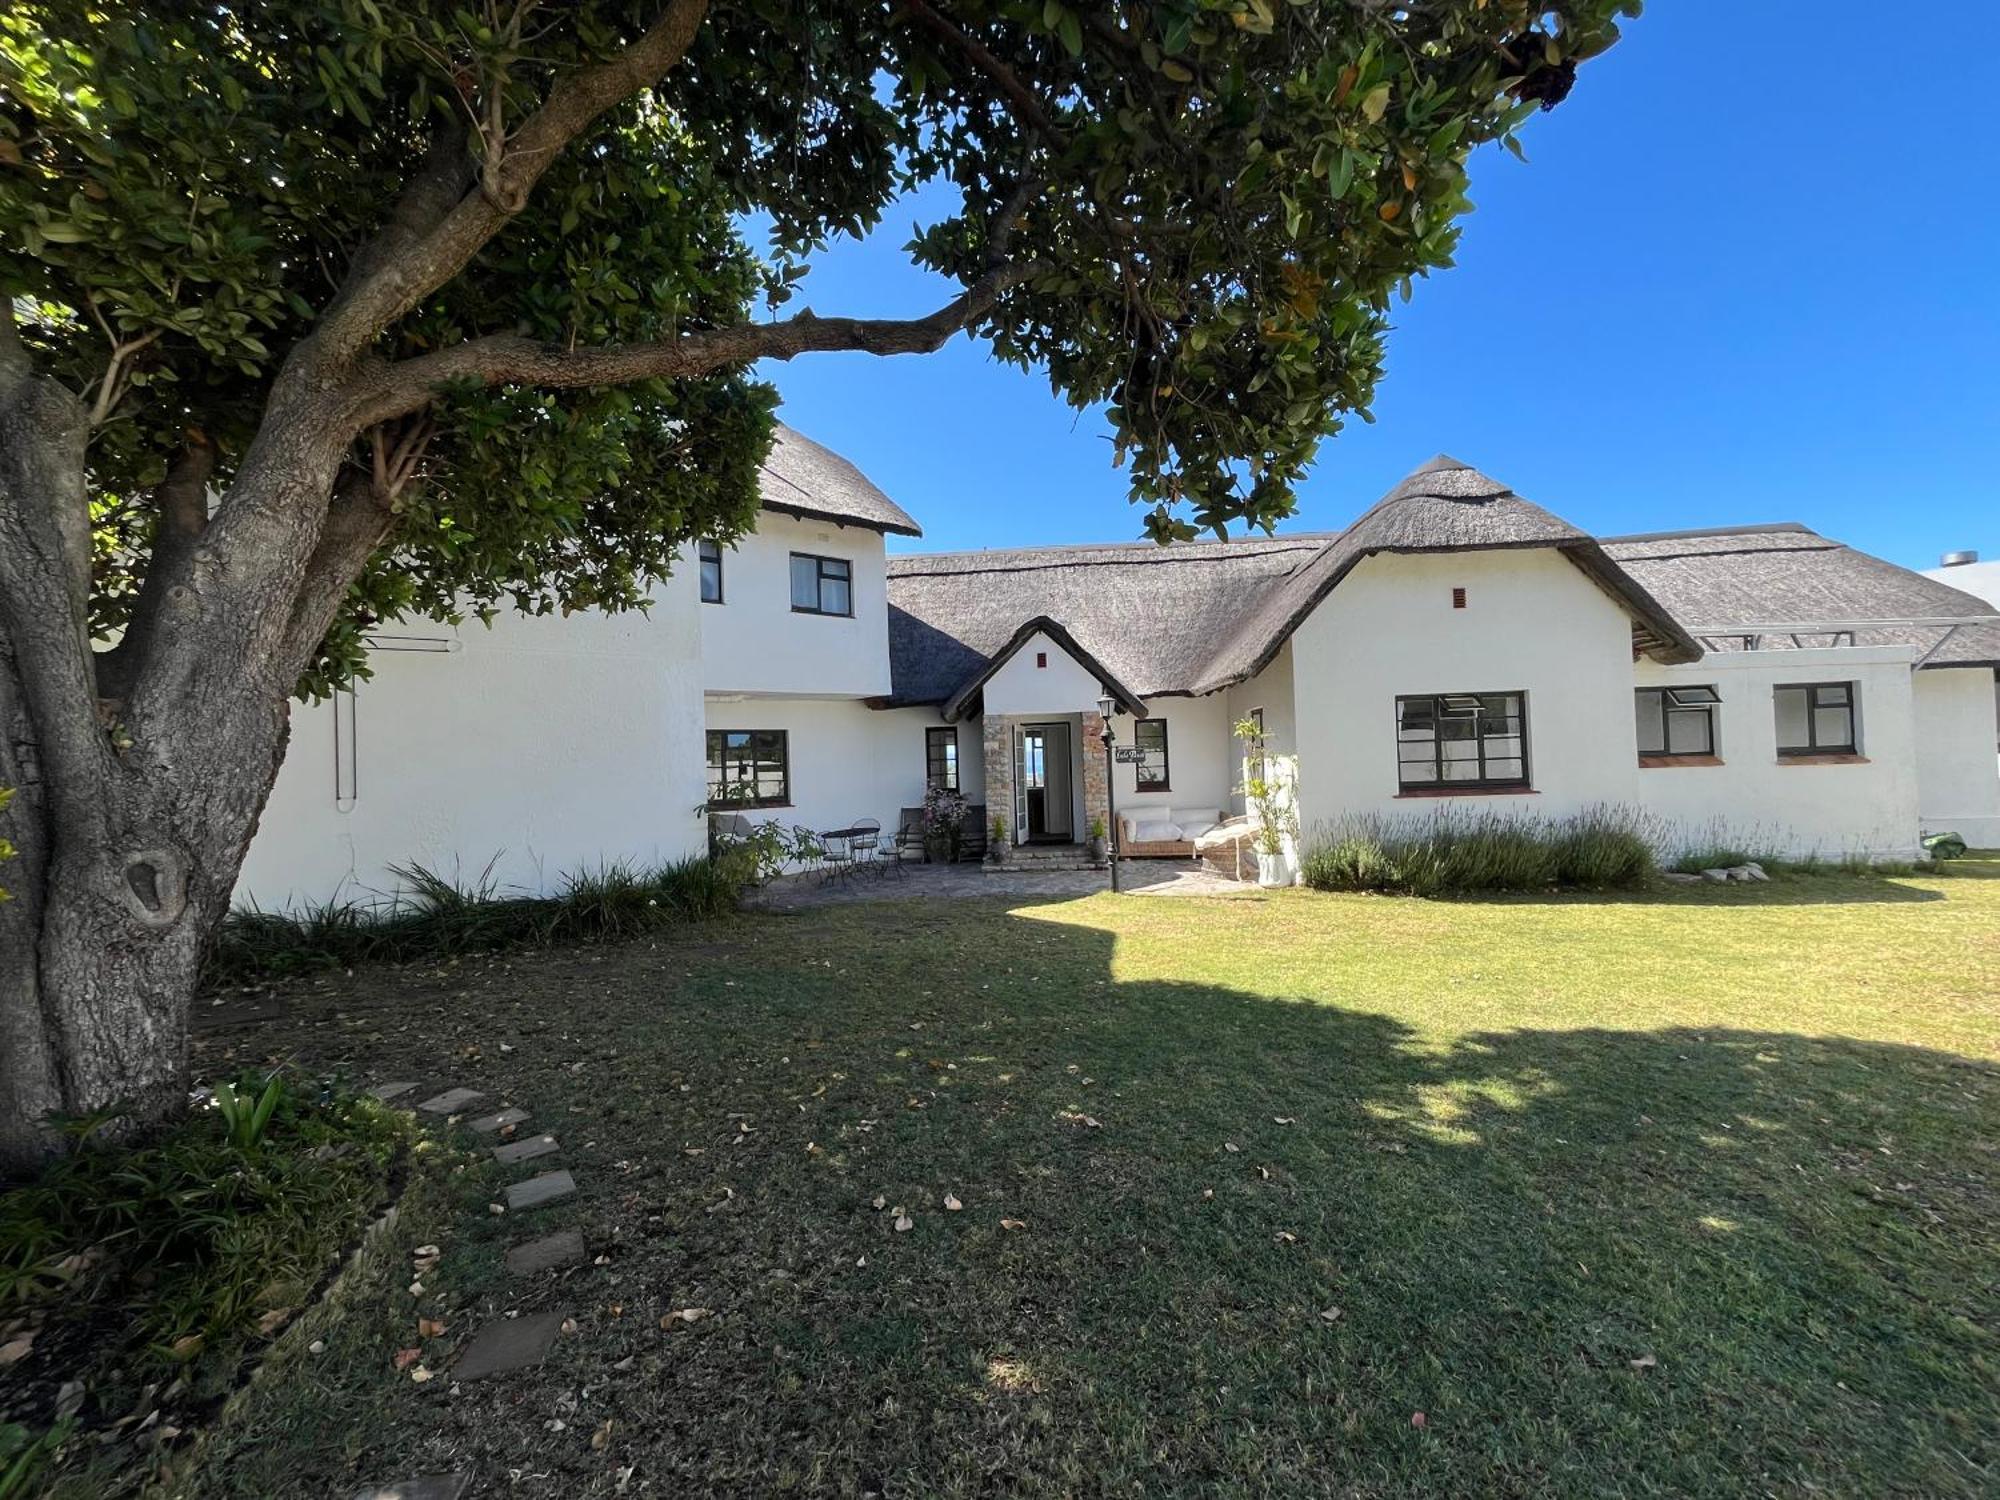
x=564, y=1248
x=487, y=1124
x=508, y=1344
x=536, y=1191
x=450, y=1102
x=524, y=1150
x=505, y=1344
x=431, y=1487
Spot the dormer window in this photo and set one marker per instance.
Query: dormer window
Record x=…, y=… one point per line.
x=822, y=585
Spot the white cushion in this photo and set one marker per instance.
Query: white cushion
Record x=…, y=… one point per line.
x=1156, y=832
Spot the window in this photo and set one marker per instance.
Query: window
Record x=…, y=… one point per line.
x=1815, y=718
x=749, y=768
x=711, y=572
x=941, y=758
x=1677, y=720
x=1150, y=735
x=822, y=585
x=1462, y=741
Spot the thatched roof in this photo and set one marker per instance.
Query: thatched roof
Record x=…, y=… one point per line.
x=1445, y=506
x=1195, y=617
x=1053, y=630
x=1787, y=574
x=1151, y=615
x=801, y=478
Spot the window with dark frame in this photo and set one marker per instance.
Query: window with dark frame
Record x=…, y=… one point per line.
x=1150, y=735
x=749, y=768
x=1676, y=721
x=1462, y=741
x=941, y=757
x=1815, y=718
x=711, y=572
x=822, y=585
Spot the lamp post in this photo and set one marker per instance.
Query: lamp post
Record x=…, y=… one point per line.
x=1106, y=706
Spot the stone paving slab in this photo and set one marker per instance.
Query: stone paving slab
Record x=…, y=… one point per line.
x=508, y=1344
x=389, y=1093
x=536, y=1191
x=561, y=1249
x=487, y=1124
x=430, y=1487
x=450, y=1102
x=524, y=1150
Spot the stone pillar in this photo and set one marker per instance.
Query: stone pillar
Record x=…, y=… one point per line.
x=1096, y=784
x=997, y=742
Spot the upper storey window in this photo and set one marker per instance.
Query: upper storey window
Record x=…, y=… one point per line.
x=822, y=585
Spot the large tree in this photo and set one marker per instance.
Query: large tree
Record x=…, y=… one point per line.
x=321, y=312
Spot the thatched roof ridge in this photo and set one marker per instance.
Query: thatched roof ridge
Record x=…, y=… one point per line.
x=804, y=478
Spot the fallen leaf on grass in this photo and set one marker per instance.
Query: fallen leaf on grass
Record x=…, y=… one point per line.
x=430, y=1328
x=904, y=1222
x=1231, y=1147
x=1644, y=1362
x=1329, y=1315
x=878, y=1203
x=16, y=1350
x=1013, y=1223
x=568, y=1326
x=273, y=1320
x=1286, y=1237
x=1419, y=1421
x=683, y=1317
x=1284, y=1120
x=420, y=1374
x=951, y=1204
x=602, y=1437
x=186, y=1347
x=407, y=1357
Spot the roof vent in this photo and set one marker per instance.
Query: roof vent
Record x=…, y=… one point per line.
x=1957, y=559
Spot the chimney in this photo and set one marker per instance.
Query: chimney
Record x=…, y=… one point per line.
x=1957, y=559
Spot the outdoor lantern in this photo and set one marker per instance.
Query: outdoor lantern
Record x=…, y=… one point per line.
x=1107, y=705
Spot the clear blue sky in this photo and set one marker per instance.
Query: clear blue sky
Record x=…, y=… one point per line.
x=1750, y=272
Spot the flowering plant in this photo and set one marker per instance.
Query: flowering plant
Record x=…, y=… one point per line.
x=944, y=821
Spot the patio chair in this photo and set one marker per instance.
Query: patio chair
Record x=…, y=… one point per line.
x=909, y=833
x=837, y=853
x=973, y=844
x=868, y=845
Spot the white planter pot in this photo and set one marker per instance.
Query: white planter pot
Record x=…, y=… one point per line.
x=1272, y=871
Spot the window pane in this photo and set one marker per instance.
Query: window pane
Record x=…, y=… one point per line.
x=1687, y=732
x=1832, y=692
x=1833, y=728
x=1652, y=730
x=833, y=596
x=1793, y=733
x=805, y=582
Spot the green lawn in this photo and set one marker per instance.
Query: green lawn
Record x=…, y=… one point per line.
x=1691, y=1194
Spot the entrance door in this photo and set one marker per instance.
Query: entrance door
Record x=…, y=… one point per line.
x=1044, y=791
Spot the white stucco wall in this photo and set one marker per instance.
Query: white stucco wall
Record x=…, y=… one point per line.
x=848, y=760
x=1201, y=757
x=552, y=743
x=1532, y=623
x=1754, y=801
x=1271, y=691
x=1063, y=686
x=753, y=642
x=1958, y=777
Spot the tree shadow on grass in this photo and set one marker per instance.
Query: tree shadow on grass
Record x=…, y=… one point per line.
x=1255, y=1236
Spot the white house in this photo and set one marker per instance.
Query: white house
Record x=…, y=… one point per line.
x=1764, y=684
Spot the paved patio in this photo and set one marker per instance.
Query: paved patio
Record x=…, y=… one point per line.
x=918, y=882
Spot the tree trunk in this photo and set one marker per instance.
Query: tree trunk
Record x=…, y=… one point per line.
x=131, y=817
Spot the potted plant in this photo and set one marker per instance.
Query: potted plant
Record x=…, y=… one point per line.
x=1270, y=791
x=996, y=845
x=1100, y=846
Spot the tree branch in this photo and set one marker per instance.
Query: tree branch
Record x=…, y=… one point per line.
x=510, y=359
x=181, y=506
x=1021, y=100
x=396, y=278
x=358, y=519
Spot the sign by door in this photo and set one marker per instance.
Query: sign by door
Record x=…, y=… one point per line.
x=1129, y=755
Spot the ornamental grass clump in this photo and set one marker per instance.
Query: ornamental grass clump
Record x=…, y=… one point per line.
x=1602, y=848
